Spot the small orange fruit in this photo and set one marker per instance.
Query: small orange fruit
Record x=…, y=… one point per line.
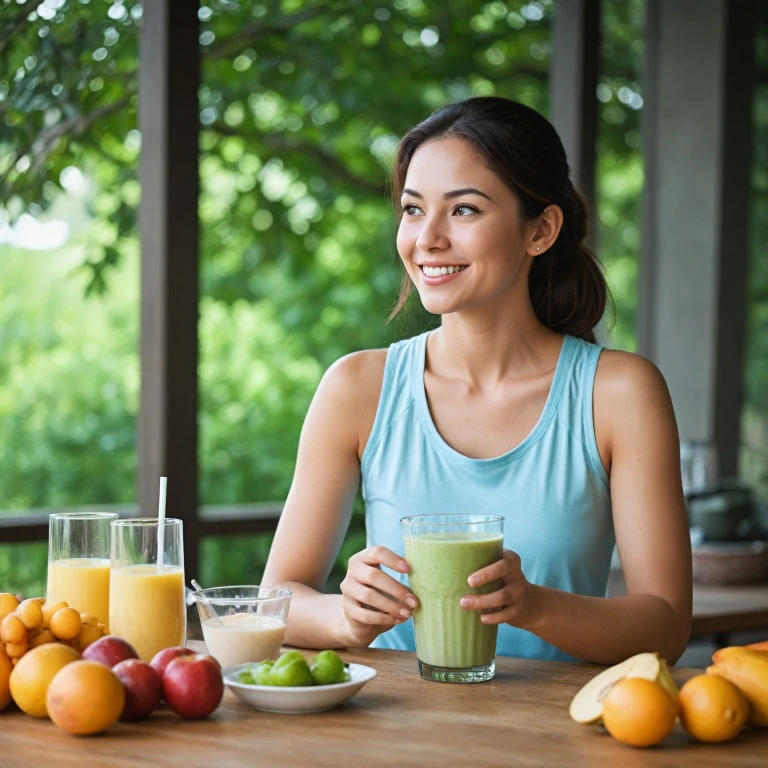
x=86, y=697
x=5, y=677
x=639, y=712
x=66, y=624
x=49, y=609
x=30, y=613
x=33, y=674
x=12, y=629
x=88, y=634
x=16, y=650
x=8, y=604
x=712, y=708
x=41, y=637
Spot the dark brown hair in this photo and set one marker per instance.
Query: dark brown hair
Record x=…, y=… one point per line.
x=567, y=286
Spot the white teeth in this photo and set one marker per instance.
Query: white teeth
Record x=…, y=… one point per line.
x=437, y=271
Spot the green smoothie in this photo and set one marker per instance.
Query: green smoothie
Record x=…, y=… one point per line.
x=448, y=635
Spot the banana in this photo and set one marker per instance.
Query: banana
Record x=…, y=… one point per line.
x=759, y=646
x=747, y=669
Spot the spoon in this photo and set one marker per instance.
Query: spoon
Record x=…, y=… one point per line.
x=199, y=591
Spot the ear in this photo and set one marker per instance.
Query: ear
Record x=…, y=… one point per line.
x=543, y=230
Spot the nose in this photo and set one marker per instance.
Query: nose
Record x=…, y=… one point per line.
x=432, y=236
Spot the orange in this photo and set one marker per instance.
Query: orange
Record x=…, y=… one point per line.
x=5, y=677
x=639, y=712
x=712, y=708
x=33, y=674
x=86, y=697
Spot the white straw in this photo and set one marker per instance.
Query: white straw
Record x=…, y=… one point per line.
x=161, y=522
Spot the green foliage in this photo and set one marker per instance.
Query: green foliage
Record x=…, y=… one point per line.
x=301, y=107
x=23, y=568
x=68, y=385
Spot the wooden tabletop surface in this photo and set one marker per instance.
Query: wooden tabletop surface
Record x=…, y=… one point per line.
x=520, y=718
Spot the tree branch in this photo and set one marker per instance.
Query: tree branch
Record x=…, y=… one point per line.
x=9, y=28
x=258, y=31
x=330, y=162
x=46, y=140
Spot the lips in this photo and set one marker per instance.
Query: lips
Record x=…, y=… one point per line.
x=440, y=279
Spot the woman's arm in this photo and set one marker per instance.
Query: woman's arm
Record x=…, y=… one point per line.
x=317, y=513
x=638, y=440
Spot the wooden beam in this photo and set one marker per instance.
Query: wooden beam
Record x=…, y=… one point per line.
x=213, y=520
x=169, y=76
x=573, y=86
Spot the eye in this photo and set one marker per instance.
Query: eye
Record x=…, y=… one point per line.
x=409, y=209
x=469, y=209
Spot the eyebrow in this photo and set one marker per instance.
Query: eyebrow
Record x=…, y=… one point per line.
x=450, y=195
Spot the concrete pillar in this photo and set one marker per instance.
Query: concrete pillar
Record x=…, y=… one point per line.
x=697, y=130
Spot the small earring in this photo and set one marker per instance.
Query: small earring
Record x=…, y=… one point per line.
x=538, y=247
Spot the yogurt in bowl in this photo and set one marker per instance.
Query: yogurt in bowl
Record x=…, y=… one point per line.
x=244, y=624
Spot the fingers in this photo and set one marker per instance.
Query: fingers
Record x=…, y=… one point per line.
x=382, y=556
x=389, y=586
x=364, y=569
x=356, y=612
x=486, y=602
x=509, y=564
x=370, y=596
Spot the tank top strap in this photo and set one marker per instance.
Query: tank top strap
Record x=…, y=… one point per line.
x=575, y=409
x=396, y=390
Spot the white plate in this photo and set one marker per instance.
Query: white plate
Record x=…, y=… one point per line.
x=297, y=700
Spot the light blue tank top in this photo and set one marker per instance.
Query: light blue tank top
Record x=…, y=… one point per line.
x=551, y=489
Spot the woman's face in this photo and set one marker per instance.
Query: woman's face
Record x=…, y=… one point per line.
x=461, y=238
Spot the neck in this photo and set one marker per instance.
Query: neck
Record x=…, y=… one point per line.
x=486, y=347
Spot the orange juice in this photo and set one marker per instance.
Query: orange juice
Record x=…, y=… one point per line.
x=147, y=607
x=83, y=582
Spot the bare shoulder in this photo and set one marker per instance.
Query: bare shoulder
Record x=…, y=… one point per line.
x=624, y=379
x=351, y=389
x=358, y=375
x=631, y=405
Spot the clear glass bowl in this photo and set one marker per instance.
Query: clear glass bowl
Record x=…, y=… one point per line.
x=243, y=624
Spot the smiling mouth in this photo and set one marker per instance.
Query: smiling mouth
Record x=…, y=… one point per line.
x=438, y=271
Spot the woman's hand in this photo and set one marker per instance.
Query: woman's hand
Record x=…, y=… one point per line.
x=373, y=601
x=513, y=604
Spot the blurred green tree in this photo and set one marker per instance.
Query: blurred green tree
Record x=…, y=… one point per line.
x=302, y=103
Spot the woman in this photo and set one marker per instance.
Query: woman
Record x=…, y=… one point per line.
x=509, y=407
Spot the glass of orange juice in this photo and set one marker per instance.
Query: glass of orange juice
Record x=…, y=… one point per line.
x=146, y=587
x=78, y=561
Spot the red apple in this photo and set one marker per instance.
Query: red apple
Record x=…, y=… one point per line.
x=193, y=685
x=163, y=658
x=143, y=688
x=110, y=650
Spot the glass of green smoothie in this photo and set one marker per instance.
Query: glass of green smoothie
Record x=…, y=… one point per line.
x=443, y=551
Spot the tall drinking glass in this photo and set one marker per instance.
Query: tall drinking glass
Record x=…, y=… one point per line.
x=146, y=594
x=443, y=551
x=78, y=561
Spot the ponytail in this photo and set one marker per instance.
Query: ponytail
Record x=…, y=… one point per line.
x=567, y=286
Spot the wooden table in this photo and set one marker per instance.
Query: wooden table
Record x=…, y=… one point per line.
x=520, y=718
x=717, y=610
